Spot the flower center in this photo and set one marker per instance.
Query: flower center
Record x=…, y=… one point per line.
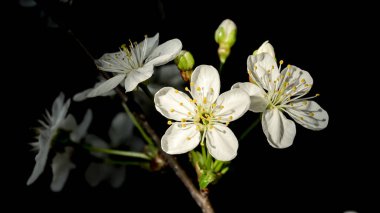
x=134, y=55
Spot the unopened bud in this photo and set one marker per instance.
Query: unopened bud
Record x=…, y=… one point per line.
x=185, y=64
x=184, y=61
x=225, y=36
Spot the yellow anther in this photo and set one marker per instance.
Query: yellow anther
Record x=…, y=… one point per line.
x=204, y=100
x=316, y=95
x=183, y=125
x=281, y=62
x=211, y=127
x=221, y=106
x=213, y=105
x=301, y=118
x=230, y=117
x=303, y=81
x=288, y=74
x=289, y=66
x=183, y=120
x=191, y=83
x=198, y=89
x=194, y=101
x=307, y=85
x=294, y=88
x=181, y=104
x=176, y=91
x=311, y=114
x=197, y=128
x=170, y=122
x=172, y=110
x=227, y=123
x=189, y=113
x=188, y=138
x=272, y=67
x=212, y=90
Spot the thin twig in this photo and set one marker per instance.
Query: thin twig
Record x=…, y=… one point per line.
x=200, y=197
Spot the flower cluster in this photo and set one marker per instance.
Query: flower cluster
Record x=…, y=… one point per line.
x=198, y=117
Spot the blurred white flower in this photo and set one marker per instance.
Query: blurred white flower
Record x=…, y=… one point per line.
x=81, y=96
x=273, y=93
x=46, y=133
x=61, y=164
x=136, y=63
x=204, y=117
x=120, y=133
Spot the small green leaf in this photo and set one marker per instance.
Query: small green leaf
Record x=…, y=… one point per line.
x=206, y=178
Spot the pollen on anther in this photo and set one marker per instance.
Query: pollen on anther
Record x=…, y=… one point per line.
x=189, y=113
x=281, y=62
x=311, y=114
x=191, y=83
x=187, y=89
x=213, y=105
x=198, y=89
x=230, y=117
x=303, y=81
x=183, y=125
x=316, y=95
x=205, y=100
x=188, y=138
x=181, y=104
x=221, y=106
x=172, y=110
x=176, y=91
x=170, y=122
x=289, y=66
x=183, y=120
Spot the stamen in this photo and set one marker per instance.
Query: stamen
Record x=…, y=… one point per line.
x=170, y=122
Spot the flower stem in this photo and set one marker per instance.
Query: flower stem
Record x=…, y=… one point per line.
x=146, y=91
x=118, y=152
x=249, y=129
x=136, y=123
x=126, y=163
x=221, y=67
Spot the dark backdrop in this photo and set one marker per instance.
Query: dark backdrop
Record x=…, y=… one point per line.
x=328, y=171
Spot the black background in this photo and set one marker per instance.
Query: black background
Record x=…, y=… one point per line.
x=328, y=171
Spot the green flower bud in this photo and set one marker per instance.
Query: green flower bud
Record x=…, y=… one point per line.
x=226, y=33
x=184, y=60
x=185, y=63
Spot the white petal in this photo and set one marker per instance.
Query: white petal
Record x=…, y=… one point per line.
x=137, y=76
x=81, y=96
x=149, y=44
x=266, y=47
x=114, y=62
x=222, y=143
x=173, y=104
x=279, y=130
x=59, y=110
x=235, y=103
x=178, y=140
x=61, y=166
x=298, y=79
x=95, y=141
x=117, y=176
x=106, y=86
x=259, y=102
x=164, y=53
x=69, y=124
x=264, y=70
x=43, y=152
x=121, y=128
x=205, y=84
x=309, y=114
x=81, y=131
x=97, y=172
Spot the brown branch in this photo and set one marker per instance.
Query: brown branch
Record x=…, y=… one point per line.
x=200, y=197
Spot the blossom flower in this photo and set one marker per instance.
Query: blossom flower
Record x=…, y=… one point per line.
x=206, y=116
x=61, y=164
x=136, y=64
x=120, y=132
x=273, y=93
